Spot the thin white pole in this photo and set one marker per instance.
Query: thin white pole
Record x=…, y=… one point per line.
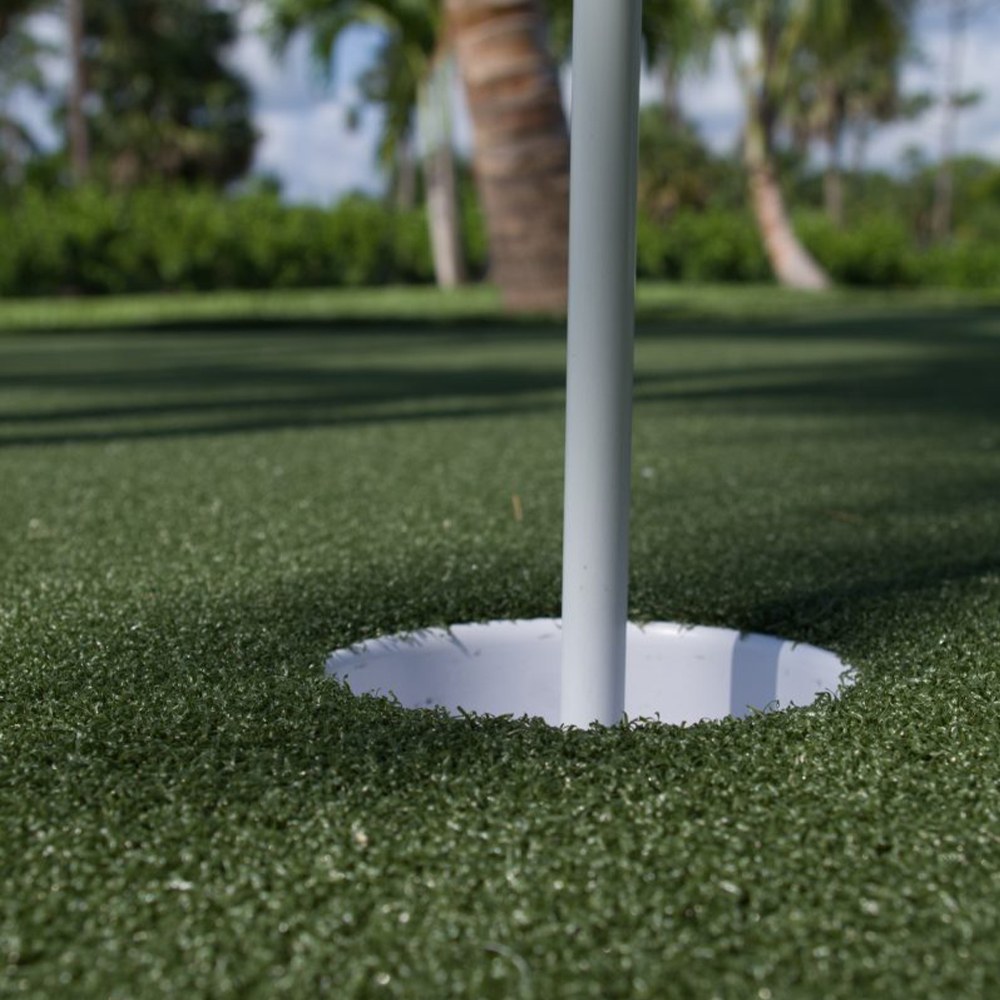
x=606, y=58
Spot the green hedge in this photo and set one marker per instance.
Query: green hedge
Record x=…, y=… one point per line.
x=725, y=246
x=877, y=252
x=88, y=241
x=163, y=239
x=963, y=264
x=701, y=246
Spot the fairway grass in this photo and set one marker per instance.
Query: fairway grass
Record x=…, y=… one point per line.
x=201, y=499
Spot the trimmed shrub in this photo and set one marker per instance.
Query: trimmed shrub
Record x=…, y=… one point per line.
x=878, y=251
x=701, y=246
x=89, y=241
x=963, y=264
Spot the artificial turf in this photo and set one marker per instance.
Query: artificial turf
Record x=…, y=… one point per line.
x=195, y=512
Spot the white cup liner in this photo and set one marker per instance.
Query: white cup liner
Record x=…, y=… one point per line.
x=675, y=673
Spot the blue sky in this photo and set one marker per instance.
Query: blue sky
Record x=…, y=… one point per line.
x=306, y=139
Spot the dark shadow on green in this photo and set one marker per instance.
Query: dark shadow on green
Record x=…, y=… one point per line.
x=847, y=321
x=244, y=381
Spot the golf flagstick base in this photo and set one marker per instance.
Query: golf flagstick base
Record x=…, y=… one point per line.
x=593, y=666
x=676, y=674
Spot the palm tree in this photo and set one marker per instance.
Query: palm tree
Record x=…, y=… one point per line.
x=440, y=177
x=851, y=63
x=521, y=150
x=76, y=118
x=792, y=41
x=954, y=102
x=678, y=35
x=392, y=84
x=410, y=82
x=778, y=29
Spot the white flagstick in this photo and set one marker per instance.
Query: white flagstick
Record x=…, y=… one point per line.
x=606, y=58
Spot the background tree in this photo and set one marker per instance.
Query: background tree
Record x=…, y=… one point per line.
x=161, y=101
x=678, y=172
x=410, y=83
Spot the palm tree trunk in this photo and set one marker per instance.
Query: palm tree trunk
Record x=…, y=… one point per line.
x=833, y=195
x=440, y=185
x=76, y=119
x=405, y=176
x=521, y=147
x=671, y=81
x=791, y=262
x=443, y=217
x=833, y=182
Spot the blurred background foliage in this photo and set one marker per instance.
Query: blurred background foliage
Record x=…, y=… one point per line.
x=151, y=187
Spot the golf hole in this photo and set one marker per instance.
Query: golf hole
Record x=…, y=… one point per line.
x=675, y=673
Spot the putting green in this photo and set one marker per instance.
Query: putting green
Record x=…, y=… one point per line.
x=195, y=513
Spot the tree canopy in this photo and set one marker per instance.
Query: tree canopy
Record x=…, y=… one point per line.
x=161, y=100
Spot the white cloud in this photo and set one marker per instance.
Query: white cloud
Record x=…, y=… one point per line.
x=280, y=82
x=712, y=99
x=305, y=119
x=314, y=152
